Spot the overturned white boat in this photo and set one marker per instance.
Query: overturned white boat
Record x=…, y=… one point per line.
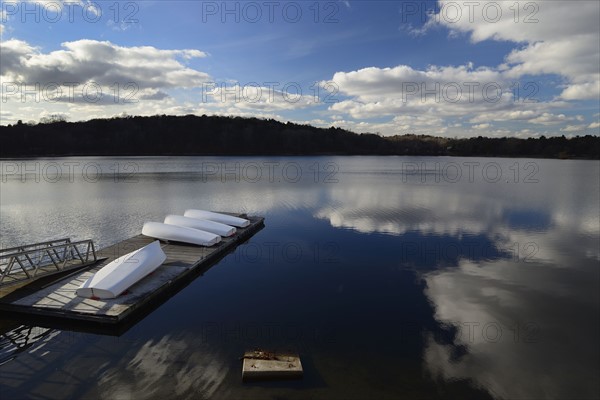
x=204, y=225
x=217, y=217
x=183, y=234
x=120, y=274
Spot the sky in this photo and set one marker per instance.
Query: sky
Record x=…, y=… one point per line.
x=444, y=68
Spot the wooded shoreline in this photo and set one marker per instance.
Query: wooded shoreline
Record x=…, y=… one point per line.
x=221, y=136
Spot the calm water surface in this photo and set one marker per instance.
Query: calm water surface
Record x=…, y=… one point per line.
x=393, y=277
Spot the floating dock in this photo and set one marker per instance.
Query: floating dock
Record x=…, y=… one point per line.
x=184, y=262
x=265, y=365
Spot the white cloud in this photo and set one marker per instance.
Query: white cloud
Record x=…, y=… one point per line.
x=441, y=91
x=86, y=75
x=594, y=125
x=135, y=80
x=426, y=124
x=486, y=94
x=453, y=84
x=3, y=19
x=550, y=119
x=582, y=91
x=574, y=128
x=256, y=97
x=560, y=38
x=533, y=23
x=481, y=94
x=101, y=62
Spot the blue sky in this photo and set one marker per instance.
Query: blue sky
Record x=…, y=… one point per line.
x=447, y=68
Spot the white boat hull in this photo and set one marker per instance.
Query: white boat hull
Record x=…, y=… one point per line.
x=120, y=274
x=163, y=231
x=217, y=217
x=204, y=225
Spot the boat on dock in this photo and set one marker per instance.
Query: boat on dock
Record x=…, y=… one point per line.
x=162, y=231
x=119, y=275
x=56, y=303
x=204, y=225
x=217, y=217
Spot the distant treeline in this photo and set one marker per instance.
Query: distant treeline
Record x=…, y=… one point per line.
x=211, y=135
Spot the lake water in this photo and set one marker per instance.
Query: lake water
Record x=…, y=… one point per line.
x=394, y=277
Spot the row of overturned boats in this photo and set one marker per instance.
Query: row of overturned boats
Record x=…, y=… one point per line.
x=195, y=227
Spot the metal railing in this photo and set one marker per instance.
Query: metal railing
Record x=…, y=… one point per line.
x=29, y=262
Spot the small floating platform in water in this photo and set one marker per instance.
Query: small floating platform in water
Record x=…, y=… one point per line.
x=58, y=300
x=265, y=365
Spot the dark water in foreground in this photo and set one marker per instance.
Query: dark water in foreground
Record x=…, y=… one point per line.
x=393, y=277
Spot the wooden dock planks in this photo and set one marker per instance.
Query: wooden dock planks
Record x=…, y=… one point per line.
x=183, y=263
x=263, y=365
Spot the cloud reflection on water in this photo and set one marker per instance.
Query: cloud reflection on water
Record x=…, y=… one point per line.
x=527, y=313
x=163, y=369
x=518, y=257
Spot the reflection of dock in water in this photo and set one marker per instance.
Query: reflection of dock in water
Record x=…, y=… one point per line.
x=57, y=304
x=19, y=339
